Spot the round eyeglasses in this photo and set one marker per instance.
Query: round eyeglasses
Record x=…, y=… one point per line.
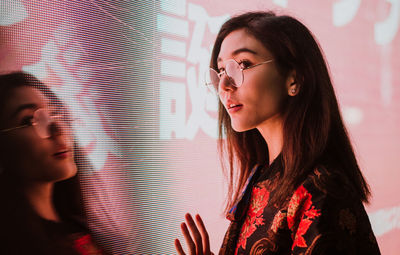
x=42, y=122
x=233, y=71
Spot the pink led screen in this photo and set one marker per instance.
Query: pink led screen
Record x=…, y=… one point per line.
x=131, y=73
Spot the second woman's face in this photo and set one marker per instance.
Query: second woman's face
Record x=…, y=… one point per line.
x=258, y=101
x=31, y=157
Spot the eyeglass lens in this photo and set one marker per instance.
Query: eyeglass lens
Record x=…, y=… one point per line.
x=43, y=120
x=232, y=70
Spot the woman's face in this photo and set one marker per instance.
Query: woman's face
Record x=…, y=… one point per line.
x=258, y=101
x=23, y=151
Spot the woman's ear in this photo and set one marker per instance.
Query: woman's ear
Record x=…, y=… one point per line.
x=291, y=84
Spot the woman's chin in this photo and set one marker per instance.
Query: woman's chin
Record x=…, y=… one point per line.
x=239, y=128
x=72, y=171
x=67, y=171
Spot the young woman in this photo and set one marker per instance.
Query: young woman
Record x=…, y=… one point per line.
x=295, y=185
x=41, y=205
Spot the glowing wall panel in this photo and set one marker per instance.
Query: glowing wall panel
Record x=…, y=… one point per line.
x=131, y=73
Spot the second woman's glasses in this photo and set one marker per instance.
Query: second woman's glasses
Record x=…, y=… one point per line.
x=42, y=122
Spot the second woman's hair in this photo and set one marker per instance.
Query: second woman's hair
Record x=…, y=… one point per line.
x=20, y=223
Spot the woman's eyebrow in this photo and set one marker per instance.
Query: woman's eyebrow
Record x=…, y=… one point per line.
x=238, y=51
x=23, y=107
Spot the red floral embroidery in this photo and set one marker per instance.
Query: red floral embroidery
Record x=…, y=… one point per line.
x=85, y=246
x=301, y=210
x=299, y=239
x=278, y=221
x=254, y=217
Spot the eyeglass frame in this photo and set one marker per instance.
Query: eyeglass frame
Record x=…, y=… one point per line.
x=32, y=124
x=241, y=70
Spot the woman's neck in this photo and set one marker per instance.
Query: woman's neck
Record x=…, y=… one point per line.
x=40, y=196
x=272, y=132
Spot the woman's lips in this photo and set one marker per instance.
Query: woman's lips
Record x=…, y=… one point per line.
x=232, y=105
x=62, y=154
x=235, y=108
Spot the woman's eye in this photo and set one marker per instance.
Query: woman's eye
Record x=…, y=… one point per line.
x=27, y=121
x=244, y=63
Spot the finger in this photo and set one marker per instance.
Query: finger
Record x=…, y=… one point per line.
x=188, y=238
x=204, y=234
x=178, y=247
x=195, y=233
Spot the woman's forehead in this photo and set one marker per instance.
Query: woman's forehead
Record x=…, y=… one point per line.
x=236, y=41
x=25, y=95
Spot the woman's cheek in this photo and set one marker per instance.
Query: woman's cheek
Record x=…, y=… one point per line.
x=28, y=153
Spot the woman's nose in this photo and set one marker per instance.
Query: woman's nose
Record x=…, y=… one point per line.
x=56, y=128
x=226, y=83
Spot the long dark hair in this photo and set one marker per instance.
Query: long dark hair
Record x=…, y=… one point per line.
x=21, y=226
x=313, y=131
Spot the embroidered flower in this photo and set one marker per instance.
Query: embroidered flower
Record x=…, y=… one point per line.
x=301, y=210
x=85, y=246
x=259, y=200
x=279, y=221
x=302, y=229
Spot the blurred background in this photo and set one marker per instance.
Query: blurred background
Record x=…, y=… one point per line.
x=132, y=74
